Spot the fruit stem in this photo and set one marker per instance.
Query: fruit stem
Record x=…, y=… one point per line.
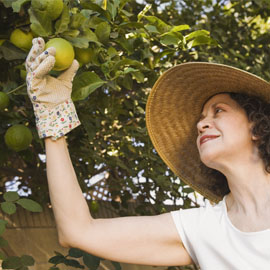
x=16, y=89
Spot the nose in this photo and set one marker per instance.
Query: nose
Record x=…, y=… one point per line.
x=203, y=124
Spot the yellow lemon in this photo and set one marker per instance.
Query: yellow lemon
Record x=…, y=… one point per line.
x=21, y=39
x=64, y=53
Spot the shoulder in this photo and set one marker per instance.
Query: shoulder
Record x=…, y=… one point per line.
x=200, y=214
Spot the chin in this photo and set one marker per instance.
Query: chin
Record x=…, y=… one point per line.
x=209, y=160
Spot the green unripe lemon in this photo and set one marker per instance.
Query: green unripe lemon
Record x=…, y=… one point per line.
x=4, y=101
x=84, y=56
x=21, y=39
x=53, y=8
x=23, y=74
x=64, y=53
x=18, y=137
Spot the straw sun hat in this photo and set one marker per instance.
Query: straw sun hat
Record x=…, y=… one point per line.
x=173, y=109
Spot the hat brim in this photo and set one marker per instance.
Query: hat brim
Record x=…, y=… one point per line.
x=173, y=109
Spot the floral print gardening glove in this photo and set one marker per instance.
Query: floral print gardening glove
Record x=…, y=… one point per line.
x=51, y=97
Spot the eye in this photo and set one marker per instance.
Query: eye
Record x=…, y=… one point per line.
x=218, y=109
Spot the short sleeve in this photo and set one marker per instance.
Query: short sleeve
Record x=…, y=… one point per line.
x=187, y=223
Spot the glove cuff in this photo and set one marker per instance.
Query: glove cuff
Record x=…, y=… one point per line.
x=57, y=121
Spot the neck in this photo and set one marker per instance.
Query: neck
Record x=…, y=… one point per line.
x=250, y=189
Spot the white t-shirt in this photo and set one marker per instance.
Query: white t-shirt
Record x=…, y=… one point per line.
x=214, y=243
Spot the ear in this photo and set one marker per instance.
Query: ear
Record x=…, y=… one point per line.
x=255, y=138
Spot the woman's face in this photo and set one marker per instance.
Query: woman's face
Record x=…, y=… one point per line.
x=224, y=132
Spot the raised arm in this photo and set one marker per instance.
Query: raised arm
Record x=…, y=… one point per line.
x=141, y=240
x=151, y=240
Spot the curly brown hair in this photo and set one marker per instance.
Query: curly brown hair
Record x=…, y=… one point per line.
x=258, y=112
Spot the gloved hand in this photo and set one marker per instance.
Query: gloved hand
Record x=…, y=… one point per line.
x=51, y=97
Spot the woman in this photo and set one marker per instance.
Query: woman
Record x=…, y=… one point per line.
x=204, y=135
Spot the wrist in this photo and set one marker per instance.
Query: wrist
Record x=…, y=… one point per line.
x=57, y=121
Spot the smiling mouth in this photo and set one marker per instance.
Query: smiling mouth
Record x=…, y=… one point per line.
x=204, y=140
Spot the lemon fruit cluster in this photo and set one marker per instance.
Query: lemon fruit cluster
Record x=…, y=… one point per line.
x=18, y=137
x=21, y=39
x=53, y=8
x=64, y=53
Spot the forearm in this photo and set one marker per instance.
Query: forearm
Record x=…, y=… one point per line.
x=69, y=205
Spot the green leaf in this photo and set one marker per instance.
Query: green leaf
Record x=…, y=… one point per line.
x=116, y=265
x=41, y=24
x=71, y=33
x=30, y=205
x=8, y=3
x=11, y=196
x=128, y=62
x=170, y=39
x=80, y=41
x=181, y=27
x=77, y=21
x=17, y=5
x=11, y=52
x=3, y=242
x=139, y=76
x=12, y=262
x=112, y=7
x=126, y=13
x=160, y=25
x=134, y=25
x=8, y=207
x=103, y=31
x=3, y=224
x=57, y=259
x=91, y=36
x=73, y=263
x=75, y=253
x=85, y=84
x=61, y=25
x=127, y=44
x=196, y=34
x=201, y=40
x=27, y=260
x=112, y=52
x=87, y=4
x=91, y=261
x=151, y=28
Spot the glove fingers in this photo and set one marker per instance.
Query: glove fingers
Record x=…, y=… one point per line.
x=37, y=49
x=45, y=67
x=42, y=57
x=69, y=74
